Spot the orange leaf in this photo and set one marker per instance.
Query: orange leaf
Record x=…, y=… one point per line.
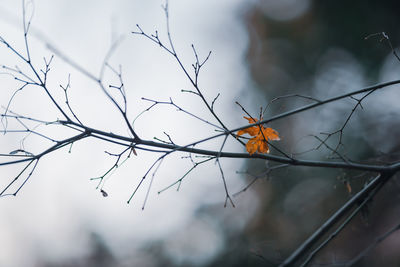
x=259, y=143
x=251, y=146
x=271, y=134
x=251, y=130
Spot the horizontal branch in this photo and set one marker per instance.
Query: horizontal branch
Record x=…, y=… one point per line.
x=57, y=146
x=190, y=149
x=320, y=103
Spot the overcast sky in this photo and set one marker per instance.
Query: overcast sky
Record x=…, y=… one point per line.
x=52, y=217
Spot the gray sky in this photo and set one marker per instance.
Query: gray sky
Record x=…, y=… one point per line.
x=53, y=215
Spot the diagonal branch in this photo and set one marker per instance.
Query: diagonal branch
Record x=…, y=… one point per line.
x=372, y=187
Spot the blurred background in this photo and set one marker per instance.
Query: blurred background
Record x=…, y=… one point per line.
x=260, y=50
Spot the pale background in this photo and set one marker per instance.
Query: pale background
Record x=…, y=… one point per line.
x=59, y=217
x=54, y=217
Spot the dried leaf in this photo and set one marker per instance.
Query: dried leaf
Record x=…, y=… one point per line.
x=348, y=186
x=104, y=193
x=259, y=143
